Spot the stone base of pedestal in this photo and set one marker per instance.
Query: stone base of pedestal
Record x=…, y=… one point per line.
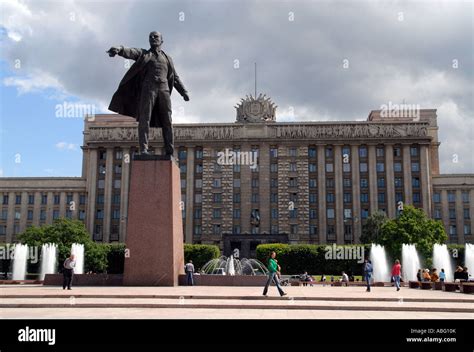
x=154, y=241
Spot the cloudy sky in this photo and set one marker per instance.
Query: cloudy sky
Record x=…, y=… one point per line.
x=318, y=60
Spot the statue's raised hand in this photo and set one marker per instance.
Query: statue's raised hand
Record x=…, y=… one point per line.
x=113, y=51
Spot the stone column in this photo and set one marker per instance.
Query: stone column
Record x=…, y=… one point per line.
x=445, y=210
x=50, y=208
x=357, y=223
x=321, y=194
x=189, y=206
x=91, y=190
x=23, y=211
x=407, y=175
x=426, y=186
x=372, y=180
x=124, y=187
x=245, y=192
x=37, y=209
x=390, y=181
x=339, y=211
x=264, y=187
x=109, y=172
x=62, y=204
x=459, y=217
x=75, y=199
x=11, y=216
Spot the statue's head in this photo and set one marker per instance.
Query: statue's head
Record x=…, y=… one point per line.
x=156, y=39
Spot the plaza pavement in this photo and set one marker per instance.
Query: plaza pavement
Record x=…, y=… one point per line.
x=36, y=302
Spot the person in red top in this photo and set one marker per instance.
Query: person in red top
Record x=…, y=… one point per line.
x=396, y=273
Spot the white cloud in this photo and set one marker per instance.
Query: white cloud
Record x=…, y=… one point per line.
x=66, y=146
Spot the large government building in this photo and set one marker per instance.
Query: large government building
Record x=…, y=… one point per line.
x=257, y=180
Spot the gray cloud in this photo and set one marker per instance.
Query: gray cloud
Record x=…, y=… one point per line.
x=300, y=62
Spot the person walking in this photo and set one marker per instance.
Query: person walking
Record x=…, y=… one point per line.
x=189, y=269
x=68, y=271
x=396, y=273
x=273, y=268
x=368, y=270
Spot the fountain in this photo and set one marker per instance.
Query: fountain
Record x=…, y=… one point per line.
x=48, y=259
x=232, y=266
x=78, y=250
x=410, y=262
x=442, y=260
x=379, y=263
x=20, y=255
x=469, y=257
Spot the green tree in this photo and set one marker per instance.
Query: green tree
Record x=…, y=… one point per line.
x=372, y=228
x=412, y=227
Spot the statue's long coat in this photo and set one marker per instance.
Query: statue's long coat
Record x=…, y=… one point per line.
x=126, y=99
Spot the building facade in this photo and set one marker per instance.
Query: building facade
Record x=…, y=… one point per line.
x=257, y=180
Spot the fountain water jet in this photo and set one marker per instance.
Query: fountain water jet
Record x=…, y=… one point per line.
x=78, y=250
x=20, y=255
x=442, y=260
x=469, y=257
x=48, y=259
x=379, y=263
x=233, y=266
x=410, y=262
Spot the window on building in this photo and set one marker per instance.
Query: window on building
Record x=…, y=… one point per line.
x=82, y=214
x=217, y=197
x=216, y=229
x=379, y=151
x=199, y=168
x=415, y=167
x=100, y=199
x=330, y=213
x=82, y=199
x=30, y=215
x=273, y=152
x=273, y=167
x=397, y=167
x=274, y=182
x=42, y=214
x=293, y=167
x=274, y=197
x=451, y=197
x=4, y=214
x=313, y=198
x=31, y=199
x=452, y=213
x=293, y=213
x=363, y=167
x=216, y=183
x=199, y=183
x=452, y=230
x=293, y=182
x=381, y=197
x=329, y=183
x=330, y=197
x=380, y=167
x=99, y=214
x=347, y=197
x=328, y=152
x=255, y=198
x=55, y=214
x=437, y=213
x=56, y=199
x=465, y=197
x=236, y=182
x=199, y=153
x=346, y=167
x=364, y=183
x=236, y=229
x=364, y=214
x=5, y=199
x=312, y=167
x=347, y=213
x=467, y=230
x=416, y=197
x=329, y=167
x=254, y=182
x=101, y=184
x=198, y=213
x=312, y=152
x=18, y=199
x=236, y=168
x=236, y=197
x=117, y=184
x=398, y=197
x=313, y=183
x=274, y=212
x=381, y=182
x=413, y=151
x=347, y=182
x=398, y=182
x=292, y=152
x=397, y=151
x=362, y=152
x=466, y=213
x=415, y=182
x=313, y=230
x=364, y=197
x=313, y=214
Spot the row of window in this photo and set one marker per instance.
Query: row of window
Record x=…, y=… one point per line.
x=44, y=199
x=451, y=197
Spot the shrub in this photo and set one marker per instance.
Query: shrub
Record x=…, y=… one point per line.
x=200, y=254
